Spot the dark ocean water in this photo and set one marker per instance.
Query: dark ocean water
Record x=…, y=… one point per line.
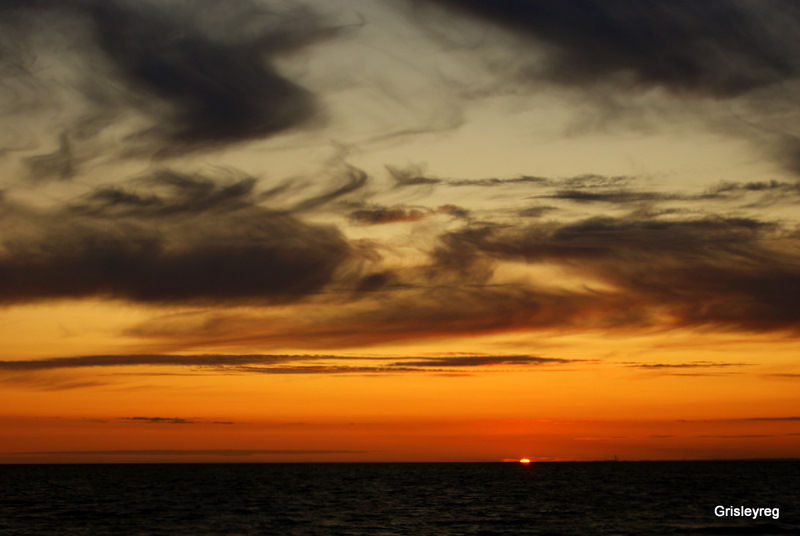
x=636, y=498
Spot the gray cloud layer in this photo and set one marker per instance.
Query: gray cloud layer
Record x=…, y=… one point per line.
x=611, y=51
x=203, y=71
x=208, y=72
x=189, y=238
x=730, y=271
x=713, y=48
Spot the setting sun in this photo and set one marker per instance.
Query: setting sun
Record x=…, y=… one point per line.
x=525, y=461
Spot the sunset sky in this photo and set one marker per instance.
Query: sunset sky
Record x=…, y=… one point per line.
x=406, y=230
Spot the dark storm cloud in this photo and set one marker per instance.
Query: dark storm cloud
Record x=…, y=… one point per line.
x=202, y=70
x=715, y=48
x=200, y=241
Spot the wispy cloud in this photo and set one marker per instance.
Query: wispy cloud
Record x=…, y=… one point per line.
x=764, y=418
x=171, y=420
x=165, y=192
x=689, y=365
x=494, y=181
x=384, y=215
x=479, y=361
x=784, y=375
x=410, y=177
x=159, y=420
x=789, y=418
x=618, y=196
x=736, y=436
x=48, y=382
x=354, y=179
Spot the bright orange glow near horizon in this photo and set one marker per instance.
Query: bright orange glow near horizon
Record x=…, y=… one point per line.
x=339, y=235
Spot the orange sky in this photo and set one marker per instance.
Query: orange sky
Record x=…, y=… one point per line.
x=397, y=232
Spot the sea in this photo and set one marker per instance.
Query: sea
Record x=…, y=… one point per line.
x=588, y=498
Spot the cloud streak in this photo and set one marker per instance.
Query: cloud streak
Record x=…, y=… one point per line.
x=187, y=452
x=272, y=364
x=159, y=420
x=481, y=361
x=384, y=215
x=690, y=365
x=150, y=360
